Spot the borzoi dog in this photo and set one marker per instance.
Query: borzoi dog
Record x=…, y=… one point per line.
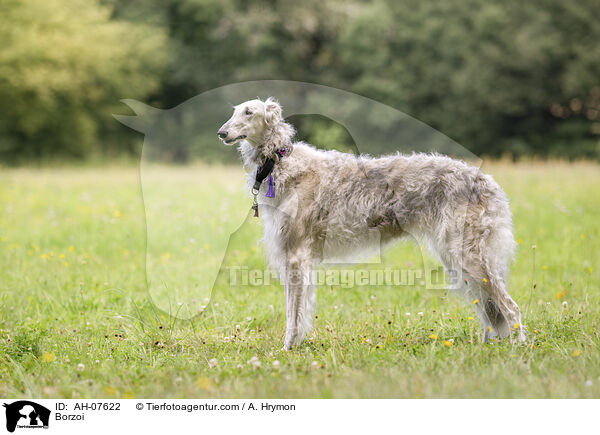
x=461, y=214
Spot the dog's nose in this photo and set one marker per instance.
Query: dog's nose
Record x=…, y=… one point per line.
x=222, y=134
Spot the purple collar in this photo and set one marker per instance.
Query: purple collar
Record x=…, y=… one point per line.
x=284, y=151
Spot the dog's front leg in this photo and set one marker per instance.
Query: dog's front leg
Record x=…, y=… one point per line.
x=297, y=286
x=292, y=302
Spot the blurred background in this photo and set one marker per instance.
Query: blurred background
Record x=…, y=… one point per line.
x=501, y=78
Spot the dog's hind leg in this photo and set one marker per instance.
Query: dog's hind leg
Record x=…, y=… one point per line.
x=493, y=321
x=491, y=274
x=485, y=256
x=505, y=308
x=300, y=297
x=483, y=286
x=499, y=313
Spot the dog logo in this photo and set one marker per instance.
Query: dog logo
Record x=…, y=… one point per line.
x=26, y=414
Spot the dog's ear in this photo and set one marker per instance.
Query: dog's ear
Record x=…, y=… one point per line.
x=272, y=112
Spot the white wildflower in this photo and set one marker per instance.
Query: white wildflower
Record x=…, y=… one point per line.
x=254, y=362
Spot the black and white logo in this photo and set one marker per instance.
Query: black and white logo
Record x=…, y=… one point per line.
x=25, y=414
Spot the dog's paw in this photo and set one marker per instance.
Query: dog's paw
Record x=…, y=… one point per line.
x=291, y=336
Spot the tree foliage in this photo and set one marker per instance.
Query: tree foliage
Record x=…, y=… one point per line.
x=64, y=65
x=498, y=77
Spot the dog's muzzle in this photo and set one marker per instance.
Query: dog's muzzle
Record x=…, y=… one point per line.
x=223, y=136
x=236, y=139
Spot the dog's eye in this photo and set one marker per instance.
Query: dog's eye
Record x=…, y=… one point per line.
x=248, y=112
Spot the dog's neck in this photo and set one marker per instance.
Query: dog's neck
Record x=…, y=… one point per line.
x=255, y=152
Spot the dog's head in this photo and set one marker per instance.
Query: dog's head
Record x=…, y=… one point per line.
x=251, y=120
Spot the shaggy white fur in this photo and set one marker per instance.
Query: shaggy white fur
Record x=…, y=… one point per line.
x=330, y=201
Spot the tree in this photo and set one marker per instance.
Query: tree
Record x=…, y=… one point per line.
x=64, y=65
x=496, y=77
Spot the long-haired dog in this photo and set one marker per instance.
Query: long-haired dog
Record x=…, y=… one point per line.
x=461, y=213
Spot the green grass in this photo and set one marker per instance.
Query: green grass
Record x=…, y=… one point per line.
x=76, y=318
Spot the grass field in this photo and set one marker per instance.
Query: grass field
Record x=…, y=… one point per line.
x=77, y=320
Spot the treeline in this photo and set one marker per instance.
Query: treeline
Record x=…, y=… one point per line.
x=511, y=77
